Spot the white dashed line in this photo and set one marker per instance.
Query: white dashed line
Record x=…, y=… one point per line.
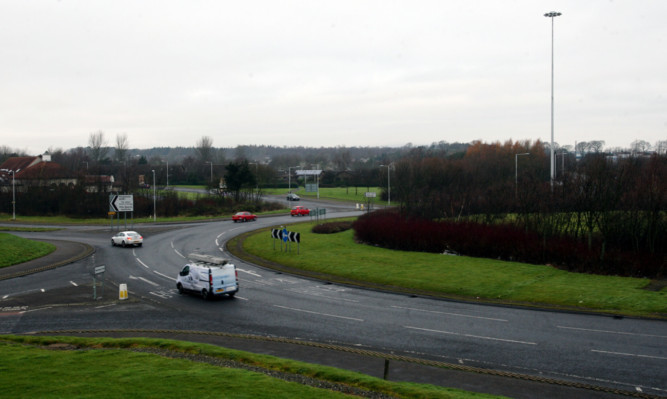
x=143, y=264
x=450, y=314
x=629, y=354
x=318, y=313
x=473, y=336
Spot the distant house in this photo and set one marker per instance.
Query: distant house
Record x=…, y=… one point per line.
x=39, y=171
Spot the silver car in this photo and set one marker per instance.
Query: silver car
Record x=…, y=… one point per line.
x=127, y=238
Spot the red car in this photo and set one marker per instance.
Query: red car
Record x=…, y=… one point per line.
x=244, y=217
x=300, y=211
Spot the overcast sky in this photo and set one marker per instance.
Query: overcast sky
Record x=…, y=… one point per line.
x=341, y=73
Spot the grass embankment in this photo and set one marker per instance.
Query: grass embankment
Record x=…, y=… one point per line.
x=15, y=249
x=57, y=367
x=348, y=194
x=341, y=258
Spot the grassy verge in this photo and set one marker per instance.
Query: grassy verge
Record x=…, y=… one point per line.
x=339, y=258
x=15, y=249
x=348, y=194
x=105, y=368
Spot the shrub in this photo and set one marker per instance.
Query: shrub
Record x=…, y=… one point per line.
x=332, y=227
x=390, y=229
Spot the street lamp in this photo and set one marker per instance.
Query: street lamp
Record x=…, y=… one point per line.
x=388, y=185
x=256, y=175
x=13, y=196
x=289, y=176
x=167, y=174
x=211, y=169
x=552, y=15
x=516, y=173
x=154, y=213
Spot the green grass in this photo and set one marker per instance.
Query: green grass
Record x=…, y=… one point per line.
x=339, y=256
x=349, y=194
x=104, y=368
x=15, y=249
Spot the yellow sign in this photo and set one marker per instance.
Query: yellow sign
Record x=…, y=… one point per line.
x=112, y=213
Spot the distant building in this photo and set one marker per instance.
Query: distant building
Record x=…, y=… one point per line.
x=39, y=171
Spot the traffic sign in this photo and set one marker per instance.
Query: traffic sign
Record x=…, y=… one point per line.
x=100, y=269
x=121, y=203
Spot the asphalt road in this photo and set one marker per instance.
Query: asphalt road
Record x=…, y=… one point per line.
x=556, y=354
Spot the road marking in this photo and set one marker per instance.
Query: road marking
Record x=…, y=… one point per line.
x=164, y=275
x=162, y=294
x=73, y=283
x=318, y=313
x=473, y=336
x=144, y=280
x=450, y=314
x=143, y=264
x=5, y=297
x=629, y=354
x=612, y=332
x=104, y=306
x=43, y=290
x=307, y=291
x=249, y=272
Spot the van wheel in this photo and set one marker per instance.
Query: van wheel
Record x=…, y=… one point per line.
x=179, y=287
x=204, y=293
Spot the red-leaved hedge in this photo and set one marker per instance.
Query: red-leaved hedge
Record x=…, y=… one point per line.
x=390, y=229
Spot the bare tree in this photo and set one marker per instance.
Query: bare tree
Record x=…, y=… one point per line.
x=97, y=143
x=204, y=149
x=121, y=147
x=639, y=146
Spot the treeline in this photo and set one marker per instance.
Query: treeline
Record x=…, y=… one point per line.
x=609, y=204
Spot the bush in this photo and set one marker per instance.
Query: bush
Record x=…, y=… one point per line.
x=333, y=227
x=389, y=229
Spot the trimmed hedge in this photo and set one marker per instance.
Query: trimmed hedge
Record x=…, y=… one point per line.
x=332, y=227
x=389, y=229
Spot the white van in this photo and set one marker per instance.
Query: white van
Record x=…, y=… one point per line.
x=209, y=276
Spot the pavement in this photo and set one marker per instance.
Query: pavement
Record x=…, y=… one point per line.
x=376, y=364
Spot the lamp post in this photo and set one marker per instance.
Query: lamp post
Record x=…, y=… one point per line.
x=256, y=175
x=289, y=176
x=552, y=15
x=154, y=212
x=167, y=174
x=516, y=173
x=211, y=169
x=13, y=196
x=388, y=185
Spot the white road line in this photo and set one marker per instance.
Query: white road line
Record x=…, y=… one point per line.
x=164, y=275
x=248, y=272
x=5, y=297
x=629, y=354
x=305, y=291
x=143, y=264
x=612, y=332
x=318, y=313
x=105, y=306
x=43, y=290
x=144, y=280
x=73, y=283
x=450, y=314
x=473, y=336
x=220, y=235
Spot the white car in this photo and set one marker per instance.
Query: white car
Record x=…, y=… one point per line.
x=127, y=238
